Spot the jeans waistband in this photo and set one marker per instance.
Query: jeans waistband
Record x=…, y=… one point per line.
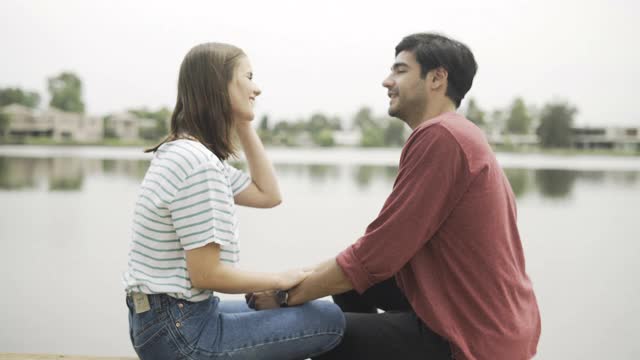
x=156, y=301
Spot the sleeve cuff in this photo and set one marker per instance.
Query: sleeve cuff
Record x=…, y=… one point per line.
x=354, y=270
x=246, y=181
x=201, y=243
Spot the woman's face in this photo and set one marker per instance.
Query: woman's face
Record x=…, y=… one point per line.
x=243, y=91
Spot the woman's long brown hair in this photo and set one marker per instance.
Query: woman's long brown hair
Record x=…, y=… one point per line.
x=203, y=108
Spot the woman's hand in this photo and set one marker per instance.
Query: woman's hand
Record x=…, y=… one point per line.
x=291, y=278
x=263, y=300
x=263, y=192
x=243, y=125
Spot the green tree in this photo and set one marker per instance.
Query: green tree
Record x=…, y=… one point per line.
x=372, y=137
x=474, y=113
x=285, y=133
x=363, y=118
x=317, y=123
x=372, y=134
x=519, y=121
x=556, y=121
x=10, y=96
x=4, y=124
x=264, y=132
x=324, y=138
x=321, y=129
x=335, y=123
x=161, y=117
x=264, y=123
x=394, y=133
x=66, y=92
x=497, y=121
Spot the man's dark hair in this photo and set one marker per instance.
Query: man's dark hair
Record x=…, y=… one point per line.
x=433, y=51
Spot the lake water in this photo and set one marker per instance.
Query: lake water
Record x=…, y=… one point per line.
x=65, y=214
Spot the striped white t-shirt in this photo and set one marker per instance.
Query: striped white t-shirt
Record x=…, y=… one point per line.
x=185, y=201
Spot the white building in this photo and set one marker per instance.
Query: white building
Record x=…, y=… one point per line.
x=622, y=138
x=53, y=123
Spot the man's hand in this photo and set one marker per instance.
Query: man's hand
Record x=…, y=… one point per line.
x=262, y=300
x=327, y=278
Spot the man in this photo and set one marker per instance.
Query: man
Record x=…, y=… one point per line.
x=443, y=258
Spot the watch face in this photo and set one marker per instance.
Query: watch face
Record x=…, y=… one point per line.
x=282, y=297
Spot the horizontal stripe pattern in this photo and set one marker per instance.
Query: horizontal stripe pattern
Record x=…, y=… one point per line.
x=185, y=201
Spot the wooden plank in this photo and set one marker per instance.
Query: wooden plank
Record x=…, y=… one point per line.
x=10, y=356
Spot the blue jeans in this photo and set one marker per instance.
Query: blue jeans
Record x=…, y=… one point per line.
x=214, y=329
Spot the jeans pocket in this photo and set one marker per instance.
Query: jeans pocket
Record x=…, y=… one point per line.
x=195, y=320
x=160, y=345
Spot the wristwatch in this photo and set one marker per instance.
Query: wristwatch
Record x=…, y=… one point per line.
x=283, y=298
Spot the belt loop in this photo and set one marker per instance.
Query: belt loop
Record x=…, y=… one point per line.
x=164, y=301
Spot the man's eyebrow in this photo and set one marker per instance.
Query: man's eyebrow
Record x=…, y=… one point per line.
x=399, y=65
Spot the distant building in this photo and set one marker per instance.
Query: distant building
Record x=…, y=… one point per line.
x=24, y=121
x=72, y=126
x=127, y=126
x=53, y=123
x=620, y=138
x=347, y=137
x=516, y=140
x=124, y=126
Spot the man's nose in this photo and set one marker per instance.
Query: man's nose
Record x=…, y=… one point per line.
x=387, y=82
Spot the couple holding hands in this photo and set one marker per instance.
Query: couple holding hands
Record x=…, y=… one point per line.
x=443, y=259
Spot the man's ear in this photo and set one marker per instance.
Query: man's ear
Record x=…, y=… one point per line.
x=439, y=78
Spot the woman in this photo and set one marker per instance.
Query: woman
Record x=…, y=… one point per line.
x=185, y=233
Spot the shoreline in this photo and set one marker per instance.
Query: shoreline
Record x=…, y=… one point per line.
x=338, y=156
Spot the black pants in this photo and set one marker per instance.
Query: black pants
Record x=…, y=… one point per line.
x=397, y=333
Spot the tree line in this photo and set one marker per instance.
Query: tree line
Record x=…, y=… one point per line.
x=552, y=122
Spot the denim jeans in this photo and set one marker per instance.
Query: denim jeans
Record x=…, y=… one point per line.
x=214, y=329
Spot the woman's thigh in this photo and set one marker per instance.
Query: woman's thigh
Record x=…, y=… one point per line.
x=233, y=306
x=296, y=332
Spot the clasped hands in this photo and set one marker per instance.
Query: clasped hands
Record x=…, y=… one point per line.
x=271, y=299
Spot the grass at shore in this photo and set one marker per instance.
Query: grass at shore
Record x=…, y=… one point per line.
x=564, y=151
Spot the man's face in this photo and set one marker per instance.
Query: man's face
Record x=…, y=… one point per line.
x=406, y=89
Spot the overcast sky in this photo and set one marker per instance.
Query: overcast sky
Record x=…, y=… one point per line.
x=329, y=56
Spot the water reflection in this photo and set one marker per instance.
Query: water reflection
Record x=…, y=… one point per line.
x=519, y=180
x=555, y=183
x=134, y=169
x=17, y=174
x=69, y=174
x=323, y=173
x=66, y=174
x=365, y=174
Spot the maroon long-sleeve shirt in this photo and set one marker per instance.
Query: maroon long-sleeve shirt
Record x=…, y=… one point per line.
x=448, y=233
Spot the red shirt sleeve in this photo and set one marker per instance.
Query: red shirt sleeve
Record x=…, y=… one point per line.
x=432, y=177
